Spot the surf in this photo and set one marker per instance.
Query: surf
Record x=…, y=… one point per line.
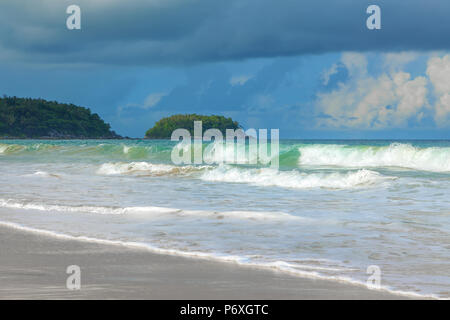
x=435, y=159
x=267, y=177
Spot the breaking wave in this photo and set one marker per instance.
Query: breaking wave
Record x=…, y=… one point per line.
x=295, y=179
x=400, y=155
x=146, y=168
x=435, y=159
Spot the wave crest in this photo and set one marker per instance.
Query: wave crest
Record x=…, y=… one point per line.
x=294, y=179
x=145, y=168
x=395, y=155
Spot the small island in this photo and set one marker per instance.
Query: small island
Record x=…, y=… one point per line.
x=163, y=128
x=38, y=118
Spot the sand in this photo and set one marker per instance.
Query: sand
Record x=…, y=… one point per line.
x=33, y=266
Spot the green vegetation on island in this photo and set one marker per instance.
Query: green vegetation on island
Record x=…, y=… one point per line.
x=163, y=128
x=38, y=118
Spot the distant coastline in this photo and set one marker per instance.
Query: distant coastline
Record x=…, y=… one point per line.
x=39, y=119
x=27, y=118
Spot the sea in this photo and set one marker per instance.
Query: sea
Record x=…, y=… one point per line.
x=344, y=211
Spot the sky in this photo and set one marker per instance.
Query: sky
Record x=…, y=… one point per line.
x=310, y=68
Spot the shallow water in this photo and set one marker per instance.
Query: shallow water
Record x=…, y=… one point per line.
x=331, y=210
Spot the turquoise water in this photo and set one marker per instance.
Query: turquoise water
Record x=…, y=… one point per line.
x=331, y=210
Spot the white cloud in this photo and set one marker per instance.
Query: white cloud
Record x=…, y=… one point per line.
x=438, y=70
x=240, y=80
x=152, y=99
x=326, y=75
x=356, y=63
x=261, y=103
x=388, y=100
x=395, y=61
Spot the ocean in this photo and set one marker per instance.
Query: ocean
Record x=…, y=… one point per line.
x=331, y=210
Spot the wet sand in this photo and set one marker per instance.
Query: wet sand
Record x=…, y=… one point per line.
x=33, y=266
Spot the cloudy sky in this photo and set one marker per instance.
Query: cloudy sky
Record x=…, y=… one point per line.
x=308, y=67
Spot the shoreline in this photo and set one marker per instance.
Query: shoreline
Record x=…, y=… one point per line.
x=33, y=266
x=281, y=139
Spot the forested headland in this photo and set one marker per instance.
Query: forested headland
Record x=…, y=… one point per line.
x=38, y=118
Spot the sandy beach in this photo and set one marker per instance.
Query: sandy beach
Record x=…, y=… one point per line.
x=33, y=266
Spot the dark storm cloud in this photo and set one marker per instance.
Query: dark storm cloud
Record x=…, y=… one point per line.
x=157, y=32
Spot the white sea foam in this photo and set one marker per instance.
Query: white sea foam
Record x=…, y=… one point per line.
x=116, y=168
x=295, y=179
x=250, y=215
x=14, y=204
x=395, y=155
x=8, y=148
x=42, y=174
x=150, y=211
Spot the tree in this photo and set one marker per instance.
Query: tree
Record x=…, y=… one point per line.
x=163, y=128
